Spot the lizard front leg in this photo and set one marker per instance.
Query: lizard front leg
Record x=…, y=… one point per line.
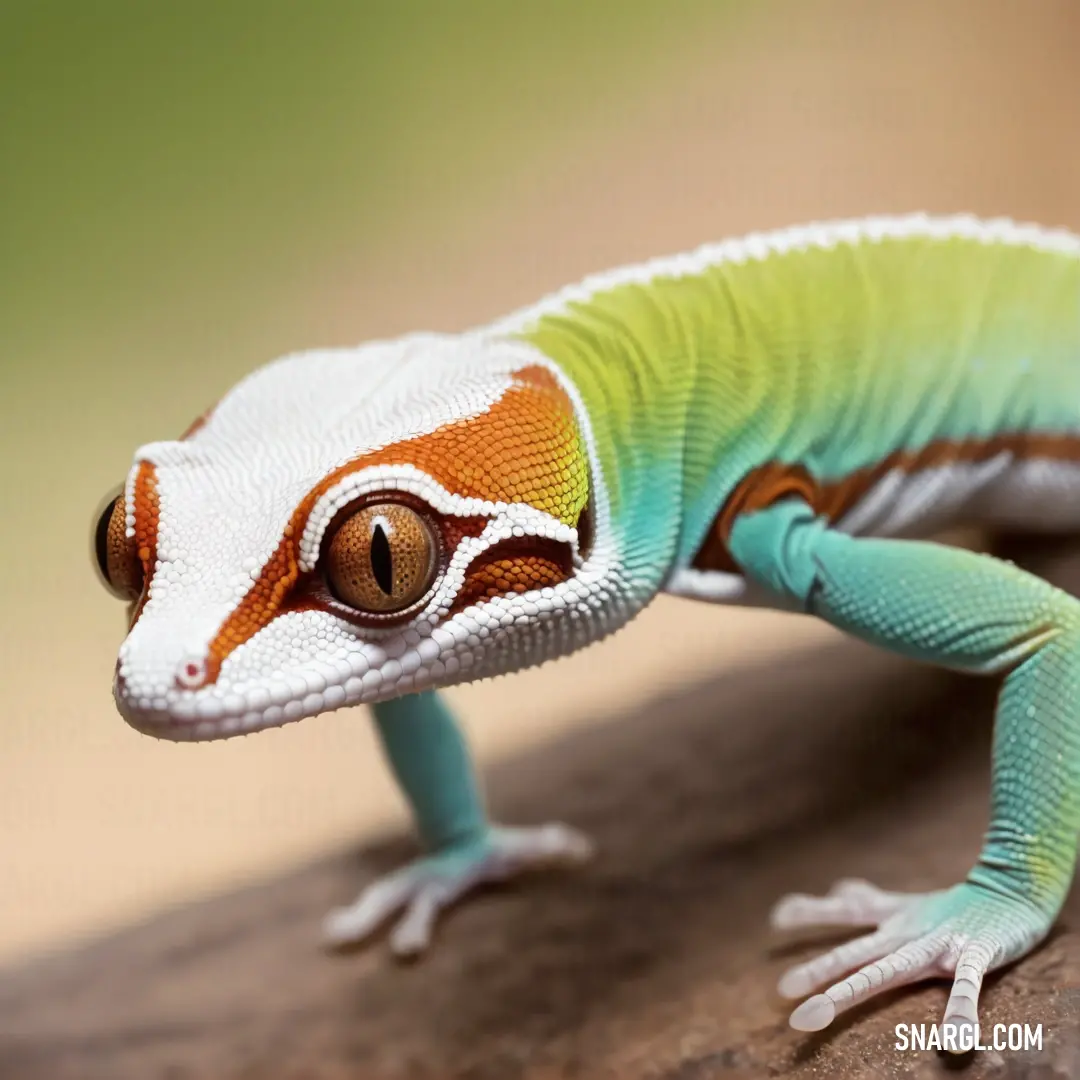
x=973, y=613
x=430, y=760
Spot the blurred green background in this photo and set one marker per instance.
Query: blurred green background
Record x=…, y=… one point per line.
x=160, y=155
x=179, y=178
x=190, y=189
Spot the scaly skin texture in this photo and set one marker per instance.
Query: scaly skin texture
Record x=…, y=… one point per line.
x=775, y=420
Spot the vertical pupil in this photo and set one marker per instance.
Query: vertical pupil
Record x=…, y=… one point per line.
x=382, y=563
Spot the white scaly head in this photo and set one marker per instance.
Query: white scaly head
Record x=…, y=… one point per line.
x=350, y=525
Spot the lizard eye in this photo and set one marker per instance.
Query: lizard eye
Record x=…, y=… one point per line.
x=115, y=554
x=382, y=559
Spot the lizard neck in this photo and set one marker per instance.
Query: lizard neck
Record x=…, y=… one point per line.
x=634, y=354
x=657, y=365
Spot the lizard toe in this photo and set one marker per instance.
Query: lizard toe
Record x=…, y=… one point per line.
x=916, y=960
x=850, y=902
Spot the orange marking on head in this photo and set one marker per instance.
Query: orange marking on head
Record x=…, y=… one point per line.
x=147, y=516
x=525, y=449
x=502, y=571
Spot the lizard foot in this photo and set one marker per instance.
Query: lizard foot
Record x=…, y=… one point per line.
x=428, y=885
x=962, y=933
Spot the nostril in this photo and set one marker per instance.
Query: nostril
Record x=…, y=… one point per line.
x=192, y=673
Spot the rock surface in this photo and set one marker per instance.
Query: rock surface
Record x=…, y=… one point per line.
x=655, y=962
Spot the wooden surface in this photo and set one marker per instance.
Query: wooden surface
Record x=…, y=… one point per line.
x=708, y=803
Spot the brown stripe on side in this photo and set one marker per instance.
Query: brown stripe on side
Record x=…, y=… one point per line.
x=525, y=449
x=147, y=516
x=775, y=480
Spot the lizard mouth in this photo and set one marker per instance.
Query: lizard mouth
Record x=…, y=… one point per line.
x=163, y=724
x=203, y=716
x=160, y=725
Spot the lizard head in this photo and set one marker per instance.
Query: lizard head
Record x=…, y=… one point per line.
x=347, y=526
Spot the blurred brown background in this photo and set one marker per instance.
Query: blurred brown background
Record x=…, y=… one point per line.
x=187, y=191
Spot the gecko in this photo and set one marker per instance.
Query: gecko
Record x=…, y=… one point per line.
x=789, y=419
